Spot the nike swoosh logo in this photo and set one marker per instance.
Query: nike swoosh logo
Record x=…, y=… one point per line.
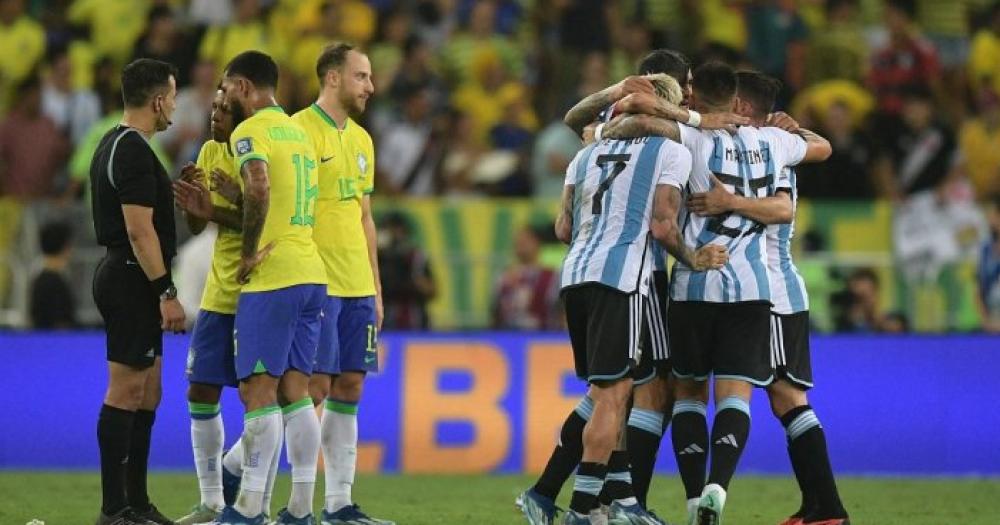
x=127, y=261
x=325, y=159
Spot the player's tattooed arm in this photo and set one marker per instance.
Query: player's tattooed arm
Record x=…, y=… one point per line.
x=818, y=148
x=646, y=104
x=256, y=201
x=587, y=110
x=228, y=217
x=665, y=229
x=564, y=222
x=631, y=126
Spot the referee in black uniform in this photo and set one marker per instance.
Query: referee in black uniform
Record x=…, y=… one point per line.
x=134, y=218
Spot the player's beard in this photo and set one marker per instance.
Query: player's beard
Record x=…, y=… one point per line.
x=238, y=112
x=352, y=104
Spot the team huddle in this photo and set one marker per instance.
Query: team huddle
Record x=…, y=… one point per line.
x=697, y=166
x=292, y=304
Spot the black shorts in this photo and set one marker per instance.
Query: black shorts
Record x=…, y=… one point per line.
x=654, y=358
x=728, y=340
x=131, y=312
x=604, y=329
x=790, y=348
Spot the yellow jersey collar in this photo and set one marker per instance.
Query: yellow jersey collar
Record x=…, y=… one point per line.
x=329, y=120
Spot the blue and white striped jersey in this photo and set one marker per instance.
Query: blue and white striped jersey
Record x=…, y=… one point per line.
x=788, y=290
x=750, y=163
x=613, y=186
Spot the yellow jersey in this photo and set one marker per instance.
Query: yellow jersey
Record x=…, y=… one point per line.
x=23, y=44
x=221, y=289
x=271, y=136
x=346, y=174
x=115, y=25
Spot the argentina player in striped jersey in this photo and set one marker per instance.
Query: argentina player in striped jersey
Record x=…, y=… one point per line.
x=719, y=319
x=612, y=190
x=821, y=504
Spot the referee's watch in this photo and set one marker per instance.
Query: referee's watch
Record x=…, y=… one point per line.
x=169, y=293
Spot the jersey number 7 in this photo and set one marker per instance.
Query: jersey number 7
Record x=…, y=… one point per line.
x=620, y=160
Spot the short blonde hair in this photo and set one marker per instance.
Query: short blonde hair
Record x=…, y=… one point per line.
x=666, y=87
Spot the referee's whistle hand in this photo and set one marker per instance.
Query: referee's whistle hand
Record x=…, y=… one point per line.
x=171, y=316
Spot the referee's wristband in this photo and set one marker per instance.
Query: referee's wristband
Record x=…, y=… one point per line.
x=694, y=118
x=161, y=284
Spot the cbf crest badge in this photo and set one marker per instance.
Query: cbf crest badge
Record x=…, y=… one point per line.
x=362, y=164
x=244, y=146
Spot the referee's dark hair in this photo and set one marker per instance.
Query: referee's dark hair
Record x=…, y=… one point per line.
x=256, y=67
x=666, y=61
x=143, y=78
x=715, y=83
x=55, y=237
x=759, y=90
x=333, y=57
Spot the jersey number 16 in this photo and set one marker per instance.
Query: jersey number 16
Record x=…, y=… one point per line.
x=305, y=194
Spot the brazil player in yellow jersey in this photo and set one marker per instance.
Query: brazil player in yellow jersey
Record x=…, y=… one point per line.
x=283, y=290
x=345, y=235
x=210, y=358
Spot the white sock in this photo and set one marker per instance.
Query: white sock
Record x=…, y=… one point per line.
x=233, y=460
x=339, y=435
x=272, y=472
x=692, y=506
x=207, y=437
x=302, y=439
x=261, y=436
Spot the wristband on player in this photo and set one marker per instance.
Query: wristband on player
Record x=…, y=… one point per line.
x=598, y=130
x=694, y=118
x=162, y=284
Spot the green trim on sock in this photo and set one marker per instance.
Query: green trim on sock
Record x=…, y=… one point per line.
x=340, y=407
x=261, y=412
x=296, y=406
x=204, y=408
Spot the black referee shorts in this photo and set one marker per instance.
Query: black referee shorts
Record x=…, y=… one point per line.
x=131, y=312
x=605, y=326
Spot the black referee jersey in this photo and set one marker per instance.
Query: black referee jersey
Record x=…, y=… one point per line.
x=125, y=170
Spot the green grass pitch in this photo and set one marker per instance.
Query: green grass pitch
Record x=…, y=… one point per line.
x=73, y=499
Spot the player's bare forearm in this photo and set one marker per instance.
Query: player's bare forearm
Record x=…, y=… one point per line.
x=144, y=240
x=818, y=148
x=371, y=237
x=776, y=209
x=631, y=126
x=564, y=222
x=664, y=224
x=256, y=201
x=194, y=224
x=585, y=111
x=646, y=104
x=228, y=217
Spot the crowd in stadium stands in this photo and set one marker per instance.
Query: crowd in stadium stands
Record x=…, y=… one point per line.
x=470, y=95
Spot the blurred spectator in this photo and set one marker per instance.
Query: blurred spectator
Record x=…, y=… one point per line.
x=777, y=41
x=23, y=43
x=984, y=56
x=908, y=60
x=304, y=50
x=191, y=268
x=387, y=54
x=460, y=58
x=184, y=137
x=846, y=174
x=407, y=282
x=919, y=155
x=946, y=23
x=838, y=51
x=73, y=111
x=979, y=143
x=488, y=94
x=634, y=43
x=407, y=155
x=32, y=150
x=554, y=148
x=435, y=20
x=247, y=31
x=462, y=154
x=113, y=25
x=526, y=296
x=416, y=69
x=53, y=306
x=857, y=308
x=163, y=40
x=989, y=271
x=210, y=12
x=723, y=24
